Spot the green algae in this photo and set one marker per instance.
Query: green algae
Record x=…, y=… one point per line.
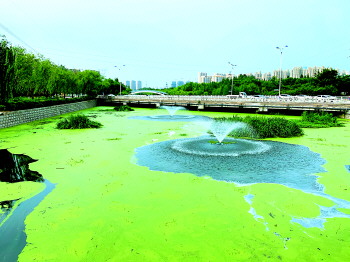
x=106, y=208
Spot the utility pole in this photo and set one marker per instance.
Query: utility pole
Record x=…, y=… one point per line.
x=231, y=76
x=280, y=82
x=120, y=83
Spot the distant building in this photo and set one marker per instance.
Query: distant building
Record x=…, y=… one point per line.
x=266, y=76
x=217, y=77
x=133, y=85
x=180, y=83
x=296, y=72
x=312, y=71
x=204, y=78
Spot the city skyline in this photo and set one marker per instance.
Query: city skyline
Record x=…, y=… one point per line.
x=167, y=40
x=295, y=72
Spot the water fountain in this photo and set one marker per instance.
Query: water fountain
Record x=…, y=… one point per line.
x=171, y=116
x=172, y=109
x=244, y=162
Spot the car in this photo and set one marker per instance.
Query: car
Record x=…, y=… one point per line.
x=326, y=98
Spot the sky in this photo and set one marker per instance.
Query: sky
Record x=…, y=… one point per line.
x=160, y=41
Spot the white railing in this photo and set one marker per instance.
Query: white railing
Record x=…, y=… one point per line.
x=225, y=99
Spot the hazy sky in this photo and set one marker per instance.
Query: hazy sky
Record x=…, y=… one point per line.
x=161, y=41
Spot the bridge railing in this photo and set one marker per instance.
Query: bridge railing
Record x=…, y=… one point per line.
x=226, y=99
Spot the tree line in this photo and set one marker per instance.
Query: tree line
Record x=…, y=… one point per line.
x=23, y=74
x=326, y=82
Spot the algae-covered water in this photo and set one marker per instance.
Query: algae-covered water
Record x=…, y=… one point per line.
x=105, y=207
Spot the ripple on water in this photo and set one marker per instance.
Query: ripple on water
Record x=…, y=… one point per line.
x=246, y=162
x=239, y=161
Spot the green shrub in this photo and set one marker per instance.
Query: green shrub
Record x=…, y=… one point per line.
x=20, y=103
x=265, y=127
x=318, y=120
x=123, y=108
x=77, y=122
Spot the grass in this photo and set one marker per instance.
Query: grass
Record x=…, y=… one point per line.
x=265, y=127
x=123, y=108
x=318, y=120
x=78, y=121
x=20, y=103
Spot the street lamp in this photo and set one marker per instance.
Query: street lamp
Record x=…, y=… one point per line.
x=280, y=82
x=231, y=76
x=120, y=83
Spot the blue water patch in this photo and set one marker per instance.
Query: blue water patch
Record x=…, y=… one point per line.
x=347, y=167
x=12, y=235
x=246, y=162
x=291, y=165
x=310, y=222
x=325, y=212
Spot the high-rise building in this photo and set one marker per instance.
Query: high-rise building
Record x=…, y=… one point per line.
x=133, y=85
x=218, y=77
x=258, y=75
x=312, y=71
x=173, y=84
x=127, y=83
x=296, y=72
x=203, y=78
x=139, y=85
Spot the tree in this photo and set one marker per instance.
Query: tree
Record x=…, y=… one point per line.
x=344, y=85
x=91, y=82
x=22, y=78
x=7, y=65
x=327, y=77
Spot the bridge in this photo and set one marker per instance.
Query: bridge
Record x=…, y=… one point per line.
x=148, y=92
x=337, y=105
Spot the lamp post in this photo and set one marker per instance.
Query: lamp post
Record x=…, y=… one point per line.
x=120, y=83
x=231, y=76
x=280, y=82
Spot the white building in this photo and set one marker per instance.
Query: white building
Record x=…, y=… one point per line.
x=312, y=71
x=217, y=77
x=296, y=72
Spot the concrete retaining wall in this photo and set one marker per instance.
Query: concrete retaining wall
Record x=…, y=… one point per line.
x=14, y=118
